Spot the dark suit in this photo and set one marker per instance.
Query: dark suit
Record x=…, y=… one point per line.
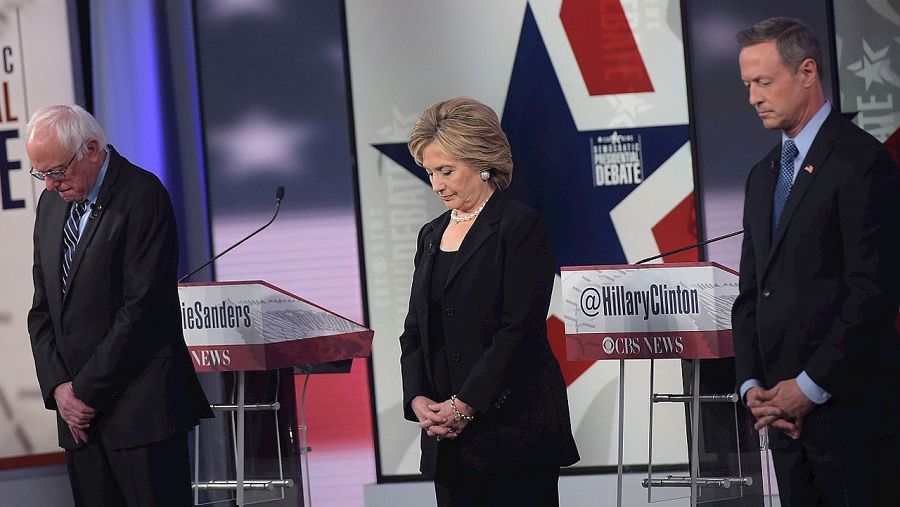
x=494, y=321
x=821, y=297
x=116, y=332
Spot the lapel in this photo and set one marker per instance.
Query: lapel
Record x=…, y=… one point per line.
x=816, y=156
x=484, y=227
x=103, y=199
x=769, y=177
x=58, y=213
x=431, y=240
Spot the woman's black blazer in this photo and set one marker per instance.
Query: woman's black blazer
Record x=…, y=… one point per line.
x=494, y=319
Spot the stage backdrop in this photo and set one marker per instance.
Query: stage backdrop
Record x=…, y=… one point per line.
x=36, y=70
x=866, y=34
x=592, y=96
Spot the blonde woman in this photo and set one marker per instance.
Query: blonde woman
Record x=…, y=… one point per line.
x=478, y=374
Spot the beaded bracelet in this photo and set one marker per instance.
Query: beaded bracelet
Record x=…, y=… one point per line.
x=457, y=415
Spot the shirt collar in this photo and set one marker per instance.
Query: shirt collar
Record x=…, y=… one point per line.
x=95, y=192
x=807, y=135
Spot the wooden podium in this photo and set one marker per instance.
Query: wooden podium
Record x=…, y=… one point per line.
x=253, y=326
x=655, y=311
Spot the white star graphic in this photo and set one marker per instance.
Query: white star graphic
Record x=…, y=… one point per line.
x=259, y=143
x=627, y=108
x=399, y=127
x=872, y=66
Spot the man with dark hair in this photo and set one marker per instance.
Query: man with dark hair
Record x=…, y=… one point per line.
x=105, y=324
x=817, y=357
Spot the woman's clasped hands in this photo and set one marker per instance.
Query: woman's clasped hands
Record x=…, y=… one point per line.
x=439, y=420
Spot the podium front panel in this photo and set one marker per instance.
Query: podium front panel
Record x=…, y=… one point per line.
x=656, y=311
x=253, y=325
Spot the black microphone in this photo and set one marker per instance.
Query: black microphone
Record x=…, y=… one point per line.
x=772, y=167
x=279, y=195
x=431, y=249
x=96, y=209
x=695, y=245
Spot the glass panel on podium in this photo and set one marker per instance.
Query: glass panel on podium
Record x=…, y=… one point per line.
x=272, y=442
x=728, y=468
x=668, y=426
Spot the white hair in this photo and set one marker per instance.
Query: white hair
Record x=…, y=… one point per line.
x=72, y=124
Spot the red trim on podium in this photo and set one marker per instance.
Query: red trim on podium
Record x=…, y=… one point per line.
x=270, y=356
x=661, y=345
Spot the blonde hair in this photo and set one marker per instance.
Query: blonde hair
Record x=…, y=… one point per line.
x=468, y=131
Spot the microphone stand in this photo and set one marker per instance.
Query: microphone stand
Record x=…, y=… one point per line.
x=688, y=247
x=279, y=195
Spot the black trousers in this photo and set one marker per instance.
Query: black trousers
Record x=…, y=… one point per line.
x=157, y=474
x=538, y=488
x=455, y=485
x=862, y=474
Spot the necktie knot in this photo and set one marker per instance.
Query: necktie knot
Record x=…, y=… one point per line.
x=789, y=151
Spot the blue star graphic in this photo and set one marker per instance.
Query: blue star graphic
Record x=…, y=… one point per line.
x=554, y=167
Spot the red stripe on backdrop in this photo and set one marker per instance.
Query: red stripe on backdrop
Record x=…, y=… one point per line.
x=556, y=334
x=338, y=409
x=677, y=229
x=604, y=47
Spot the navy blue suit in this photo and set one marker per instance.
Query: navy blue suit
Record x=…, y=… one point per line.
x=821, y=294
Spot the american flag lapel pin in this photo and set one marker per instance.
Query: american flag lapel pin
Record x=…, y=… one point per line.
x=809, y=169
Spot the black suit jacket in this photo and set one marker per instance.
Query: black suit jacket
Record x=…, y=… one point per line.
x=821, y=296
x=116, y=333
x=496, y=300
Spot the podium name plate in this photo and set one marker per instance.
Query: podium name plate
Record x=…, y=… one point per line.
x=655, y=311
x=253, y=325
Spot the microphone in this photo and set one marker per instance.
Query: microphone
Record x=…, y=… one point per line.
x=279, y=195
x=96, y=209
x=772, y=167
x=695, y=245
x=431, y=249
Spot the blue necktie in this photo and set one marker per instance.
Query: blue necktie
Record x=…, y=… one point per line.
x=789, y=152
x=70, y=239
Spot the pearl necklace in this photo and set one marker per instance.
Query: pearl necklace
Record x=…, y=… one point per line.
x=455, y=216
